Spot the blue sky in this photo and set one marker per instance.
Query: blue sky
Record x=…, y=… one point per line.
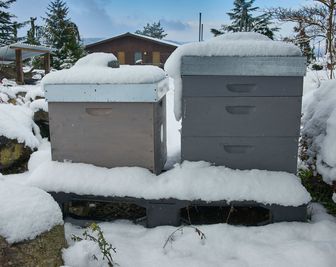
x=105, y=18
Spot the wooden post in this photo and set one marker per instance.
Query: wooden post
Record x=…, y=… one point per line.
x=47, y=63
x=19, y=68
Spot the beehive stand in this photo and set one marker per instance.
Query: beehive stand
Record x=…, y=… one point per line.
x=168, y=211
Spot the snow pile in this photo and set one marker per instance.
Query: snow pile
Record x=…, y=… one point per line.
x=26, y=212
x=11, y=89
x=230, y=44
x=82, y=254
x=93, y=69
x=276, y=245
x=39, y=104
x=33, y=93
x=188, y=181
x=319, y=129
x=3, y=98
x=16, y=123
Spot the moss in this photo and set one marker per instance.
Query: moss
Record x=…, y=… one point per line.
x=320, y=191
x=45, y=250
x=14, y=156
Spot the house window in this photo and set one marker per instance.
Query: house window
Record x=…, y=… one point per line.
x=137, y=58
x=121, y=57
x=156, y=58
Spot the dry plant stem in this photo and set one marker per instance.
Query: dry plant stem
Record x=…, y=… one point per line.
x=228, y=217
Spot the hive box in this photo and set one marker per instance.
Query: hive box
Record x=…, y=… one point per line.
x=242, y=112
x=109, y=125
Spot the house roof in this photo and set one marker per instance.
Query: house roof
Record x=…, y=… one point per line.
x=7, y=53
x=163, y=42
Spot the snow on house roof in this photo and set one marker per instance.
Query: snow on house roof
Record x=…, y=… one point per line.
x=160, y=41
x=7, y=53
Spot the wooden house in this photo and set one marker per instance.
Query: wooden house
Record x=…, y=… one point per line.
x=131, y=48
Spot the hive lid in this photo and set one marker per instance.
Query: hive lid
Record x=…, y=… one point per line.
x=146, y=92
x=92, y=79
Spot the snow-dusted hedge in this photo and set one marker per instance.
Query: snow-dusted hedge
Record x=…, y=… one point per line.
x=319, y=129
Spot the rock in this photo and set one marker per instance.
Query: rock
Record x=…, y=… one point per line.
x=14, y=156
x=41, y=118
x=43, y=251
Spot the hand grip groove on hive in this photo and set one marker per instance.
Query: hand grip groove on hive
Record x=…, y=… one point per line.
x=237, y=149
x=239, y=110
x=241, y=88
x=99, y=111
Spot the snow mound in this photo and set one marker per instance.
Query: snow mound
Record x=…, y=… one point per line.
x=240, y=36
x=95, y=59
x=16, y=123
x=26, y=212
x=319, y=128
x=232, y=44
x=34, y=93
x=188, y=181
x=39, y=104
x=82, y=254
x=276, y=245
x=93, y=69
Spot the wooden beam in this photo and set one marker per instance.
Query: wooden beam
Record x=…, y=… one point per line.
x=36, y=50
x=19, y=67
x=46, y=63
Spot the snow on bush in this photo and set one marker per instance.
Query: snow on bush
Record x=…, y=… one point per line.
x=230, y=44
x=188, y=181
x=33, y=93
x=26, y=212
x=16, y=123
x=39, y=104
x=319, y=129
x=93, y=69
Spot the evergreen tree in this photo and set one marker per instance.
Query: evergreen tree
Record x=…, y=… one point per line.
x=302, y=40
x=7, y=29
x=62, y=34
x=34, y=33
x=243, y=20
x=154, y=30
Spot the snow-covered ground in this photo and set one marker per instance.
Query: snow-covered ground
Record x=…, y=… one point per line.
x=277, y=245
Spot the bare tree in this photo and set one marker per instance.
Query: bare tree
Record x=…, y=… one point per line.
x=318, y=21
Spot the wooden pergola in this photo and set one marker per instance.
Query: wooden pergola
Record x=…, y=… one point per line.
x=19, y=51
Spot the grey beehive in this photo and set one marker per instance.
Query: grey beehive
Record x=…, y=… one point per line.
x=109, y=125
x=242, y=112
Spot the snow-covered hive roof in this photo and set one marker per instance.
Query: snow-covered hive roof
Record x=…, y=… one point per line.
x=92, y=80
x=26, y=212
x=94, y=69
x=244, y=44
